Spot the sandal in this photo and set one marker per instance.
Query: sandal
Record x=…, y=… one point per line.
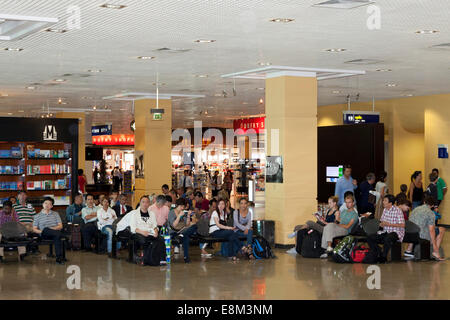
x=250, y=252
x=436, y=258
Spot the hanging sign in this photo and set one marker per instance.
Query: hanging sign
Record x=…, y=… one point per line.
x=357, y=117
x=257, y=124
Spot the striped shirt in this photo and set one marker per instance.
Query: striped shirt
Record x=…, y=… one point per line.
x=25, y=213
x=46, y=220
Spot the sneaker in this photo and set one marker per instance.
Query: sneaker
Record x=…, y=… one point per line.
x=206, y=255
x=176, y=250
x=187, y=260
x=329, y=249
x=291, y=251
x=409, y=254
x=162, y=263
x=59, y=260
x=324, y=256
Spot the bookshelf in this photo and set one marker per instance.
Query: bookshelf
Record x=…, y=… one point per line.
x=40, y=168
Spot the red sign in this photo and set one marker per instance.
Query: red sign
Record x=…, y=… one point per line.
x=257, y=124
x=114, y=140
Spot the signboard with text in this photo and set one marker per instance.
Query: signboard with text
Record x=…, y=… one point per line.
x=257, y=124
x=104, y=130
x=114, y=140
x=357, y=117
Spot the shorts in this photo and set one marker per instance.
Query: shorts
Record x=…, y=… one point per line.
x=436, y=231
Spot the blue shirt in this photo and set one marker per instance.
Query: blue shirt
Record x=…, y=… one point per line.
x=88, y=211
x=71, y=210
x=347, y=216
x=342, y=186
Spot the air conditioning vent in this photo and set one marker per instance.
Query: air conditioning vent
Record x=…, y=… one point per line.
x=364, y=61
x=343, y=4
x=442, y=46
x=172, y=50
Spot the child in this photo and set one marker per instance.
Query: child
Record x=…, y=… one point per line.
x=402, y=194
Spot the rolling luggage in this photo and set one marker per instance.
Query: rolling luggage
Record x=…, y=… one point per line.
x=75, y=236
x=311, y=244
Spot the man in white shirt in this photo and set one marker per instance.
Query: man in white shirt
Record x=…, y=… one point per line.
x=186, y=181
x=216, y=184
x=144, y=228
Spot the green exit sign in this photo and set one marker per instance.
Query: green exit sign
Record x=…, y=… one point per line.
x=157, y=116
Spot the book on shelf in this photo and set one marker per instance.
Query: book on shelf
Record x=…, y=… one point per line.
x=5, y=153
x=66, y=153
x=37, y=153
x=45, y=154
x=30, y=185
x=16, y=152
x=61, y=153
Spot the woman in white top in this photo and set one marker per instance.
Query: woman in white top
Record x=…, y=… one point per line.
x=219, y=229
x=382, y=190
x=106, y=217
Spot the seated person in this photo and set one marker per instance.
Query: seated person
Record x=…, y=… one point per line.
x=25, y=211
x=13, y=200
x=219, y=229
x=89, y=216
x=97, y=200
x=47, y=224
x=106, y=217
x=181, y=225
x=393, y=223
x=113, y=199
x=160, y=210
x=331, y=216
x=343, y=206
x=405, y=205
x=144, y=227
x=73, y=212
x=347, y=219
x=169, y=203
x=7, y=214
x=201, y=204
x=122, y=208
x=424, y=217
x=242, y=221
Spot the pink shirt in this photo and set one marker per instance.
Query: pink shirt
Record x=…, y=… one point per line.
x=161, y=214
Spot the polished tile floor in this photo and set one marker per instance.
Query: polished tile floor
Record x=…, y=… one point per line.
x=287, y=277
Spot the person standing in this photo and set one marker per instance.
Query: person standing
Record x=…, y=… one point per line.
x=121, y=179
x=432, y=189
x=344, y=184
x=95, y=175
x=228, y=183
x=364, y=188
x=381, y=190
x=185, y=181
x=81, y=181
x=116, y=179
x=416, y=189
x=216, y=184
x=441, y=187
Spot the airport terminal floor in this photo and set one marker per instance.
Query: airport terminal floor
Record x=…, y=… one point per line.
x=284, y=278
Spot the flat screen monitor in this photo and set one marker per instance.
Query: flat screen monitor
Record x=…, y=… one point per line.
x=94, y=154
x=334, y=173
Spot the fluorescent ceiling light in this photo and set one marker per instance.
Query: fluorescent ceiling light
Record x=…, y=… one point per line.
x=383, y=70
x=14, y=27
x=112, y=6
x=94, y=70
x=146, y=57
x=60, y=80
x=343, y=4
x=335, y=49
x=391, y=85
x=13, y=49
x=31, y=87
x=204, y=41
x=283, y=20
x=56, y=30
x=201, y=76
x=263, y=64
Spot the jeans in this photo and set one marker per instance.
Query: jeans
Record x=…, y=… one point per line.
x=55, y=236
x=231, y=236
x=187, y=233
x=108, y=230
x=249, y=235
x=387, y=239
x=88, y=231
x=416, y=204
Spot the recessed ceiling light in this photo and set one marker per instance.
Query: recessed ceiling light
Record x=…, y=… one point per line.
x=335, y=50
x=9, y=114
x=263, y=64
x=60, y=80
x=94, y=107
x=31, y=87
x=407, y=95
x=13, y=49
x=56, y=30
x=201, y=76
x=261, y=101
x=94, y=70
x=391, y=85
x=123, y=109
x=283, y=20
x=112, y=6
x=383, y=70
x=244, y=102
x=204, y=41
x=336, y=91
x=261, y=88
x=20, y=111
x=146, y=57
x=427, y=31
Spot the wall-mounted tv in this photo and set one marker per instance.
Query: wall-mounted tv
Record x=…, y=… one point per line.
x=94, y=153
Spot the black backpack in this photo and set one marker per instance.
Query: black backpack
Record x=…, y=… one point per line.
x=310, y=244
x=261, y=248
x=155, y=252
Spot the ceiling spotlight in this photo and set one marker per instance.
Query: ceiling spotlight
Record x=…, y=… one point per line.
x=427, y=31
x=335, y=50
x=112, y=6
x=206, y=112
x=261, y=101
x=94, y=107
x=283, y=20
x=31, y=87
x=204, y=41
x=60, y=80
x=13, y=49
x=264, y=64
x=391, y=85
x=59, y=100
x=201, y=76
x=94, y=70
x=146, y=57
x=336, y=91
x=56, y=30
x=383, y=70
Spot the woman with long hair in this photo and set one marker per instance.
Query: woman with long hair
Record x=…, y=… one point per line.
x=415, y=193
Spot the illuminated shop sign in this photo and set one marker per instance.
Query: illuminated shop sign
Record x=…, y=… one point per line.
x=114, y=140
x=257, y=124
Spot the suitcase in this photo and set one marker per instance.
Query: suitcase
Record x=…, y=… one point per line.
x=311, y=244
x=155, y=252
x=75, y=236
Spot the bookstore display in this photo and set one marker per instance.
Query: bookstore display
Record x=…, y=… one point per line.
x=41, y=169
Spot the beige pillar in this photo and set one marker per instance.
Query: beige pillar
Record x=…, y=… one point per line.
x=291, y=132
x=153, y=138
